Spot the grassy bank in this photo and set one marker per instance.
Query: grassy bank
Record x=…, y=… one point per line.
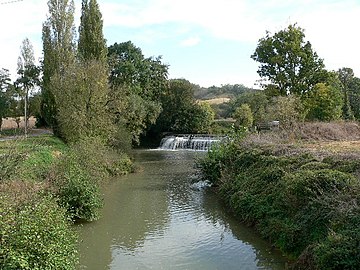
x=303, y=199
x=45, y=185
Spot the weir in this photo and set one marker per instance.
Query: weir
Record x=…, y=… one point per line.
x=189, y=142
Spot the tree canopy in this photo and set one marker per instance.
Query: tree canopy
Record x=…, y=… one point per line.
x=288, y=62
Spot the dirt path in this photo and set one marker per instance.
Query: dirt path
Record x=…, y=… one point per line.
x=32, y=133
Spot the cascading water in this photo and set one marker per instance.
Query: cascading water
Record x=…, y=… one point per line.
x=189, y=142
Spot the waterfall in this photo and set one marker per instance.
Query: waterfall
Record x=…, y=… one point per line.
x=189, y=142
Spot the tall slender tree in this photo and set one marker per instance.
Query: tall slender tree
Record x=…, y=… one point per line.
x=28, y=76
x=92, y=45
x=59, y=52
x=4, y=100
x=346, y=76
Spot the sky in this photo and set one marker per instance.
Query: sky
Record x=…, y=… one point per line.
x=208, y=42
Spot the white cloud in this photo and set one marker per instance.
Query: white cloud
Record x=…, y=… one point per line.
x=330, y=25
x=190, y=42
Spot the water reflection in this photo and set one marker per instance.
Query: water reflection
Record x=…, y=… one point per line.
x=156, y=220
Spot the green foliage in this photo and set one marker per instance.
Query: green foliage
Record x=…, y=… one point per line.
x=146, y=77
x=227, y=90
x=92, y=45
x=59, y=52
x=350, y=86
x=288, y=110
x=77, y=176
x=29, y=159
x=203, y=117
x=181, y=113
x=243, y=116
x=81, y=95
x=222, y=127
x=77, y=192
x=346, y=75
x=136, y=86
x=296, y=201
x=35, y=235
x=99, y=160
x=4, y=97
x=28, y=76
x=288, y=62
x=140, y=113
x=257, y=100
x=324, y=103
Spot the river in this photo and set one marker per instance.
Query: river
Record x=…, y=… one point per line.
x=163, y=218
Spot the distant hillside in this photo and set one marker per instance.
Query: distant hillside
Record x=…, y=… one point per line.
x=224, y=91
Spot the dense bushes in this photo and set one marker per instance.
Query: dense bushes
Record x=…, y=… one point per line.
x=304, y=205
x=35, y=233
x=77, y=177
x=45, y=184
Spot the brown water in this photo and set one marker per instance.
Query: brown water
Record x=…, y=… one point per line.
x=162, y=218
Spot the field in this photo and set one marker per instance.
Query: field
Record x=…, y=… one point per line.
x=215, y=100
x=9, y=123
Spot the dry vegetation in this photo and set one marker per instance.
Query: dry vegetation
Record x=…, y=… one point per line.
x=215, y=100
x=315, y=136
x=10, y=122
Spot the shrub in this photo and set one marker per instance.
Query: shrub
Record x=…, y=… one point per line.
x=304, y=206
x=99, y=160
x=243, y=116
x=76, y=190
x=35, y=235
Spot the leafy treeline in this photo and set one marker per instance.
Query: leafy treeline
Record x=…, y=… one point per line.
x=306, y=204
x=227, y=90
x=115, y=92
x=296, y=85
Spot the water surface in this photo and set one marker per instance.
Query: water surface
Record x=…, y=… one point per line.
x=163, y=218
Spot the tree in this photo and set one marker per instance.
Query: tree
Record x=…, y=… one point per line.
x=181, y=113
x=4, y=98
x=59, y=52
x=257, y=100
x=243, y=116
x=28, y=75
x=146, y=76
x=288, y=110
x=288, y=62
x=324, y=103
x=81, y=95
x=137, y=84
x=92, y=44
x=346, y=76
x=354, y=96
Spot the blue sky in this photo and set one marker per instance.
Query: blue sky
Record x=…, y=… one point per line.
x=208, y=42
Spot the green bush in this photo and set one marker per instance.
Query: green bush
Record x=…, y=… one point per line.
x=35, y=235
x=99, y=160
x=301, y=204
x=76, y=190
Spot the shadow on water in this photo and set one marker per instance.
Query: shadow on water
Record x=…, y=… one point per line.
x=156, y=219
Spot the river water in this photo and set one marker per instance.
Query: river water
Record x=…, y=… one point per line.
x=163, y=218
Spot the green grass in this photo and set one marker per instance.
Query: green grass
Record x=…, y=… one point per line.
x=34, y=156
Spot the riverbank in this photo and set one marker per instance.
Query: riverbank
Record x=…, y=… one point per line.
x=299, y=189
x=46, y=185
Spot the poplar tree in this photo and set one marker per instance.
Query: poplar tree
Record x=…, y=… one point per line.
x=92, y=45
x=82, y=89
x=59, y=52
x=28, y=75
